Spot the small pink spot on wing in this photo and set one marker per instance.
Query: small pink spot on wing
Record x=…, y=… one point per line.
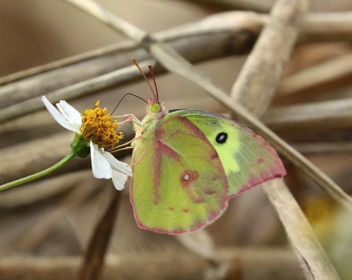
x=171, y=208
x=185, y=210
x=199, y=200
x=209, y=192
x=259, y=161
x=188, y=176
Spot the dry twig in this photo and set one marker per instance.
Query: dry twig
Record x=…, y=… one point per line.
x=171, y=265
x=96, y=251
x=255, y=87
x=321, y=74
x=218, y=36
x=299, y=231
x=38, y=232
x=270, y=53
x=325, y=115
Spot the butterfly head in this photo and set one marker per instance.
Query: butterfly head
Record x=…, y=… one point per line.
x=154, y=107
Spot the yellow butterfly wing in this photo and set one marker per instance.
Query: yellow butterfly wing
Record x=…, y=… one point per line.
x=179, y=185
x=247, y=158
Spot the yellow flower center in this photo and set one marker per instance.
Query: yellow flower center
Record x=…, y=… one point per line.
x=98, y=126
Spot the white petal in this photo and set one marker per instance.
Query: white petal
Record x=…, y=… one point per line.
x=58, y=116
x=119, y=179
x=100, y=166
x=70, y=113
x=118, y=165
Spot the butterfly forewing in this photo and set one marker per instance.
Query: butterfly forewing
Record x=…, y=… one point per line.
x=180, y=184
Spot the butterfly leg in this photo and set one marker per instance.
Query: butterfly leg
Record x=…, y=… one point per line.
x=145, y=150
x=131, y=118
x=117, y=148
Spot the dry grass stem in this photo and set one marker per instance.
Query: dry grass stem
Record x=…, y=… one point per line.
x=331, y=26
x=218, y=35
x=324, y=148
x=320, y=74
x=119, y=47
x=73, y=91
x=98, y=12
x=259, y=6
x=160, y=266
x=325, y=115
x=256, y=95
x=39, y=191
x=98, y=243
x=299, y=231
x=38, y=232
x=270, y=53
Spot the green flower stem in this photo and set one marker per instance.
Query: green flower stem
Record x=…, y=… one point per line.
x=39, y=174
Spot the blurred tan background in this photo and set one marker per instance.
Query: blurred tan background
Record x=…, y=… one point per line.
x=35, y=32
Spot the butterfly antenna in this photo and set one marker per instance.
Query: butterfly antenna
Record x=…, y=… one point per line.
x=156, y=88
x=135, y=63
x=124, y=97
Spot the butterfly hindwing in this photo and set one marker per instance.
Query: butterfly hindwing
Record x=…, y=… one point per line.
x=180, y=184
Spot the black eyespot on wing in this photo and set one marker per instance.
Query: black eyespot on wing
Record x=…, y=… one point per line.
x=221, y=138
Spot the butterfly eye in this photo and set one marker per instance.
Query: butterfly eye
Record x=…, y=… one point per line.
x=155, y=108
x=221, y=138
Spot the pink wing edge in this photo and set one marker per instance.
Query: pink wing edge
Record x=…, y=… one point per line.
x=278, y=172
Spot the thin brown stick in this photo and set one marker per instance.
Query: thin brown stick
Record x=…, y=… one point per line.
x=39, y=191
x=180, y=265
x=325, y=115
x=73, y=91
x=41, y=230
x=299, y=231
x=121, y=26
x=324, y=148
x=119, y=47
x=323, y=73
x=264, y=67
x=262, y=6
x=95, y=253
x=270, y=53
x=218, y=36
x=333, y=25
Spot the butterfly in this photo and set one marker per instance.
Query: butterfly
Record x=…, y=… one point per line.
x=187, y=164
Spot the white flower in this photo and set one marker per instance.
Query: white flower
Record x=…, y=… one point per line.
x=104, y=164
